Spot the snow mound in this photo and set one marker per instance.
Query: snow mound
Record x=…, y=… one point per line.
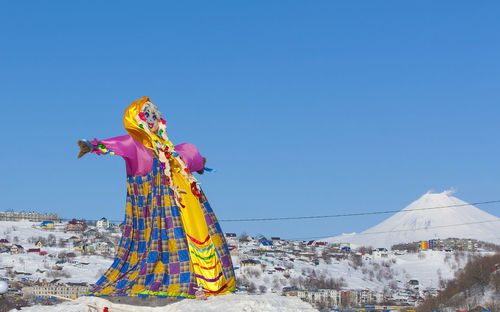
x=232, y=302
x=432, y=216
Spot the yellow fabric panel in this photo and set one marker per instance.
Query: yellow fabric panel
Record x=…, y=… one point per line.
x=137, y=288
x=128, y=209
x=145, y=188
x=113, y=275
x=172, y=247
x=192, y=215
x=159, y=268
x=174, y=288
x=217, y=241
x=134, y=275
x=133, y=258
x=107, y=290
x=195, y=226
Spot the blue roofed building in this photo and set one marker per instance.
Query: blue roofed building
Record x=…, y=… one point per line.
x=47, y=225
x=264, y=245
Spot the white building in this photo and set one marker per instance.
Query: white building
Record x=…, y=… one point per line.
x=380, y=253
x=102, y=224
x=69, y=290
x=330, y=296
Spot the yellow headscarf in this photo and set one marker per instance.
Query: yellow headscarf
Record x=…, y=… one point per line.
x=139, y=132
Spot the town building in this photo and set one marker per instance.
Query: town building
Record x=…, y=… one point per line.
x=16, y=249
x=69, y=290
x=102, y=224
x=75, y=225
x=379, y=253
x=265, y=245
x=47, y=225
x=29, y=216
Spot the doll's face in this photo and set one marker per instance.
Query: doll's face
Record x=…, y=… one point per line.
x=152, y=117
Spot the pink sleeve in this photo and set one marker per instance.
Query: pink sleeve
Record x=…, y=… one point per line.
x=138, y=159
x=191, y=156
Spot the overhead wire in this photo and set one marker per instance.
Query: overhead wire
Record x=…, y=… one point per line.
x=356, y=214
x=364, y=214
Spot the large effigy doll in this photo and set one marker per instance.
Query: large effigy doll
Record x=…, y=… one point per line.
x=172, y=244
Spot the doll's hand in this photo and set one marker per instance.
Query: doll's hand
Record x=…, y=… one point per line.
x=84, y=148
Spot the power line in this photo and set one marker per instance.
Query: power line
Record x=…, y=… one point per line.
x=355, y=214
x=334, y=215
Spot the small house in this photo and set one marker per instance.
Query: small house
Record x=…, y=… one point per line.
x=16, y=249
x=79, y=246
x=380, y=253
x=102, y=224
x=47, y=225
x=75, y=225
x=265, y=245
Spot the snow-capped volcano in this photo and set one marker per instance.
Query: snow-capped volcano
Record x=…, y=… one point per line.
x=434, y=215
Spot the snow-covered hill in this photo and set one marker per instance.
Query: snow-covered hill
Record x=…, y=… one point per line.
x=419, y=221
x=287, y=264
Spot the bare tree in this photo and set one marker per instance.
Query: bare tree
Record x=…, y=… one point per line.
x=243, y=237
x=251, y=288
x=355, y=261
x=62, y=243
x=51, y=240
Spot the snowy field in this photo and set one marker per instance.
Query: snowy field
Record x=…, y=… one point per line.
x=86, y=269
x=427, y=267
x=374, y=274
x=233, y=303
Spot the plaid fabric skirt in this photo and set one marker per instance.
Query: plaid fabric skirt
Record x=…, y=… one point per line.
x=167, y=250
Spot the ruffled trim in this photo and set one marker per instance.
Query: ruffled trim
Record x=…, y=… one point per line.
x=98, y=147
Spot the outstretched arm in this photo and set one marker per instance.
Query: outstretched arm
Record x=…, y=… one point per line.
x=137, y=157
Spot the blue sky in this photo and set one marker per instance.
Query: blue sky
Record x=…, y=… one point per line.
x=304, y=108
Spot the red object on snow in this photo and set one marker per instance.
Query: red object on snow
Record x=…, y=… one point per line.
x=105, y=309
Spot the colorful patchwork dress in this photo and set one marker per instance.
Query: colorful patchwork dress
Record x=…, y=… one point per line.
x=171, y=241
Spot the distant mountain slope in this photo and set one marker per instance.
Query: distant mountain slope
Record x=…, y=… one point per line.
x=416, y=222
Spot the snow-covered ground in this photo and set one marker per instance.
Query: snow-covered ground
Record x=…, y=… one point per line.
x=374, y=274
x=233, y=303
x=86, y=269
x=428, y=267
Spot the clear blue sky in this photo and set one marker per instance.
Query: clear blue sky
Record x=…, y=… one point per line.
x=304, y=108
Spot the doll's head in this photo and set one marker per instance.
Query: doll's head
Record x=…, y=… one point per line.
x=149, y=119
x=150, y=115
